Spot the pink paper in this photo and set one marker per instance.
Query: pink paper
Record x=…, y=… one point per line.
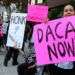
x=37, y=13
x=55, y=41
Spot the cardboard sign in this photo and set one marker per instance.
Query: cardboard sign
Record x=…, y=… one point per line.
x=55, y=41
x=16, y=29
x=37, y=13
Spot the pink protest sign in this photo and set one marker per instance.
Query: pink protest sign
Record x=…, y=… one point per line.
x=37, y=13
x=55, y=41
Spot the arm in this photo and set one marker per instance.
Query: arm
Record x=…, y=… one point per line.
x=15, y=44
x=32, y=66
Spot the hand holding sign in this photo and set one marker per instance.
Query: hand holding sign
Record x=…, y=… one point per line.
x=46, y=20
x=15, y=43
x=32, y=66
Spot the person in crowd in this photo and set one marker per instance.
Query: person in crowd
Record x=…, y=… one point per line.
x=5, y=27
x=13, y=7
x=12, y=52
x=2, y=7
x=1, y=32
x=22, y=69
x=64, y=67
x=28, y=67
x=4, y=24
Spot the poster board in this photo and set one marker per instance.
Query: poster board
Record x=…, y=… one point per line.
x=16, y=29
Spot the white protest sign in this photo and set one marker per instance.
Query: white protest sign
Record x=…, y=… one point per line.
x=40, y=1
x=16, y=30
x=32, y=2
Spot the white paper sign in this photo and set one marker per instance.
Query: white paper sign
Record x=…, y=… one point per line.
x=40, y=1
x=32, y=2
x=16, y=29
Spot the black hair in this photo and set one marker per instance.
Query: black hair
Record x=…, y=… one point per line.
x=72, y=4
x=57, y=12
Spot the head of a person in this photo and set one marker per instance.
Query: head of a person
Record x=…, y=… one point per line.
x=1, y=2
x=69, y=10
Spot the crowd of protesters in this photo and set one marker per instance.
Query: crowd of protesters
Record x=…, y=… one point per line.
x=29, y=56
x=29, y=66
